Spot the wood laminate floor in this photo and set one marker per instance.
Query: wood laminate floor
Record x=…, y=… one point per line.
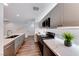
x=29, y=48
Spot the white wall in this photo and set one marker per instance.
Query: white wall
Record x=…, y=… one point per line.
x=20, y=27
x=1, y=29
x=27, y=28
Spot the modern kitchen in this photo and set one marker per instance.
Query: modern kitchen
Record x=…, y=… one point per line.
x=40, y=29
x=19, y=24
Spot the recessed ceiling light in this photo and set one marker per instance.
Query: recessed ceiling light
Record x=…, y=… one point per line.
x=17, y=15
x=6, y=4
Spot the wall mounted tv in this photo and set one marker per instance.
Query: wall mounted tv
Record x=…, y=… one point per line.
x=46, y=23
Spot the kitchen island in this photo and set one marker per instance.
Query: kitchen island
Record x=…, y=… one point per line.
x=11, y=45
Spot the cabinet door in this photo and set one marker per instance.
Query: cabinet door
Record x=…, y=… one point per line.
x=9, y=50
x=19, y=41
x=47, y=51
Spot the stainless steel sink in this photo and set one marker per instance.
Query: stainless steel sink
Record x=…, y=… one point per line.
x=12, y=36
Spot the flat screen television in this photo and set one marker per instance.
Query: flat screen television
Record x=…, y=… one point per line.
x=46, y=23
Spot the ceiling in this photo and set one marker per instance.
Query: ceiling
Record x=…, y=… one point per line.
x=24, y=12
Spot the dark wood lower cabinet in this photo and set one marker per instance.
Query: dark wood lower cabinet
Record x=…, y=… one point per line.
x=47, y=51
x=41, y=48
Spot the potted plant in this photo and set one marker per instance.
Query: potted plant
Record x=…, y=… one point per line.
x=68, y=38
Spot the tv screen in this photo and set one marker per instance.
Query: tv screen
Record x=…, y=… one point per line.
x=46, y=23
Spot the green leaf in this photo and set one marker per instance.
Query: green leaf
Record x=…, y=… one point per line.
x=68, y=36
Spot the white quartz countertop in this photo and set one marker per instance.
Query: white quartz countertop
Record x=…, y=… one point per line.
x=57, y=46
x=7, y=41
